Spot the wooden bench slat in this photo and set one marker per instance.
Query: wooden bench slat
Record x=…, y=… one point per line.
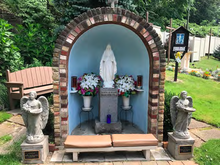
x=34, y=76
x=29, y=78
x=47, y=75
x=12, y=77
x=44, y=88
x=17, y=78
x=43, y=75
x=50, y=74
x=38, y=75
x=24, y=77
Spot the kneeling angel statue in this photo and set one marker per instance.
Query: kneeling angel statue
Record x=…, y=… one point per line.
x=35, y=115
x=181, y=113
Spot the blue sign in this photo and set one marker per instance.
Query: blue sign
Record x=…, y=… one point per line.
x=180, y=38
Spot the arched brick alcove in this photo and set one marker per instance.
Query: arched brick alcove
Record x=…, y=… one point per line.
x=85, y=22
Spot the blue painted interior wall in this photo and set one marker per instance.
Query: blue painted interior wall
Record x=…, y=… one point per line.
x=131, y=57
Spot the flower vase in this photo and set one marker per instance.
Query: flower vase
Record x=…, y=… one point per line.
x=87, y=101
x=126, y=101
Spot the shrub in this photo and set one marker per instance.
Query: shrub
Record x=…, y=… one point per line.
x=4, y=103
x=32, y=11
x=216, y=53
x=49, y=129
x=35, y=42
x=9, y=53
x=167, y=124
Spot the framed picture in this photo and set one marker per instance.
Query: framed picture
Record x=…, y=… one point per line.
x=180, y=38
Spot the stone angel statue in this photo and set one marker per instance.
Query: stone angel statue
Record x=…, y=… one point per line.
x=181, y=113
x=35, y=115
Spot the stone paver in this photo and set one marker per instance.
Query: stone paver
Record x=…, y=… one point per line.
x=160, y=154
x=117, y=163
x=189, y=163
x=8, y=128
x=132, y=163
x=57, y=156
x=198, y=141
x=162, y=163
x=15, y=130
x=175, y=163
x=91, y=164
x=197, y=124
x=17, y=119
x=106, y=163
x=148, y=163
x=207, y=134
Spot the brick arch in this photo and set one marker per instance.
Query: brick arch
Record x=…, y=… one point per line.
x=74, y=30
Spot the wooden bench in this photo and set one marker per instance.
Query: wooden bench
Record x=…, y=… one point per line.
x=21, y=83
x=109, y=143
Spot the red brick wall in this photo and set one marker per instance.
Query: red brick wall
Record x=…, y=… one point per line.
x=74, y=30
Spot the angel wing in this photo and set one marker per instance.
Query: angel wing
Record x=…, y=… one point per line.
x=45, y=112
x=23, y=100
x=173, y=110
x=190, y=105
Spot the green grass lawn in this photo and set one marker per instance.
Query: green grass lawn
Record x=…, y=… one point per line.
x=205, y=94
x=4, y=116
x=14, y=156
x=208, y=153
x=5, y=139
x=206, y=63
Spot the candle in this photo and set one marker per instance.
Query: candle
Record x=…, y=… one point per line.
x=74, y=82
x=139, y=81
x=108, y=119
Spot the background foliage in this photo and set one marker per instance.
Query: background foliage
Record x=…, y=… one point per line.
x=216, y=53
x=9, y=53
x=35, y=42
x=32, y=11
x=167, y=124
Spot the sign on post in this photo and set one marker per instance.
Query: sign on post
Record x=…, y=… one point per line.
x=179, y=46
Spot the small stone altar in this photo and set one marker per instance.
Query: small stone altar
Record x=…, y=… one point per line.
x=108, y=105
x=35, y=153
x=180, y=149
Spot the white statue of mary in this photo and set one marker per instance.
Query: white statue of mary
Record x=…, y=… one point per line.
x=108, y=67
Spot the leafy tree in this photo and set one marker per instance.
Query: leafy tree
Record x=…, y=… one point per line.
x=35, y=42
x=160, y=11
x=32, y=11
x=9, y=53
x=69, y=9
x=205, y=10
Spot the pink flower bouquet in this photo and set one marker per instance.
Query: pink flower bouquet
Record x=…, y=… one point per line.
x=88, y=84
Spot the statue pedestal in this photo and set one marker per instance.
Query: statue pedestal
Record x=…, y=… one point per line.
x=108, y=106
x=180, y=149
x=35, y=153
